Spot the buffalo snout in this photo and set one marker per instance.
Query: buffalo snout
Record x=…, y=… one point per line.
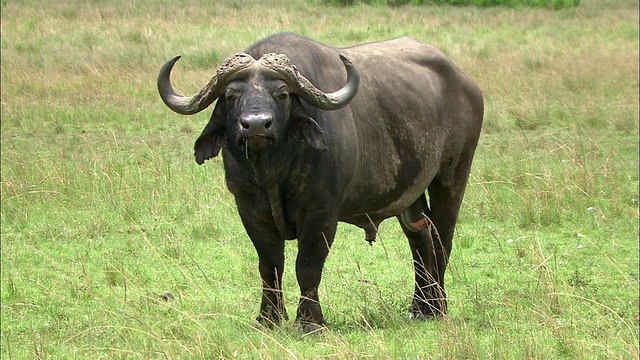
x=256, y=125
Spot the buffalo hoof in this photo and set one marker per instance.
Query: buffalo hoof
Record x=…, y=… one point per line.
x=258, y=325
x=266, y=322
x=310, y=328
x=424, y=317
x=425, y=312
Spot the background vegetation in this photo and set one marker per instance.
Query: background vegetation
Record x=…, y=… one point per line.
x=552, y=4
x=104, y=208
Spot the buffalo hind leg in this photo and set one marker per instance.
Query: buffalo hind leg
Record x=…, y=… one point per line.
x=429, y=299
x=431, y=250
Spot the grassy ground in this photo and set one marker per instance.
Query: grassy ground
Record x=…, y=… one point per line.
x=104, y=209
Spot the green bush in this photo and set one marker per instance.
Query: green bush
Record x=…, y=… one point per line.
x=553, y=4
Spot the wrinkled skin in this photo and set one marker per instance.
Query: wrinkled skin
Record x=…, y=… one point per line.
x=296, y=170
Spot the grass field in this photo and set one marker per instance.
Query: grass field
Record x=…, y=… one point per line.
x=104, y=209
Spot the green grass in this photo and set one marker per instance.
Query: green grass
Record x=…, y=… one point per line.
x=104, y=208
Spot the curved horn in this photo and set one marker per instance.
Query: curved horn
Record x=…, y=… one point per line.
x=306, y=90
x=188, y=105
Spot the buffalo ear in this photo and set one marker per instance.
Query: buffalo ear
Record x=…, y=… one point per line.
x=305, y=127
x=213, y=136
x=309, y=130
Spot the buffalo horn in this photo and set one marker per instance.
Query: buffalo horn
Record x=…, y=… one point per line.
x=188, y=105
x=306, y=90
x=278, y=63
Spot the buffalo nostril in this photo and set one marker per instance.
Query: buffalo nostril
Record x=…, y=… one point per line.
x=255, y=123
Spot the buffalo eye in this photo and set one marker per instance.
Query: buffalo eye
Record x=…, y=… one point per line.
x=281, y=94
x=231, y=95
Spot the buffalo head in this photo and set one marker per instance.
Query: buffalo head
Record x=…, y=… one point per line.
x=256, y=106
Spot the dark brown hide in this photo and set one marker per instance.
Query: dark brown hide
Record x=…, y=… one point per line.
x=296, y=169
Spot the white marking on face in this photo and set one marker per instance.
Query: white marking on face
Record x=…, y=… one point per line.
x=258, y=86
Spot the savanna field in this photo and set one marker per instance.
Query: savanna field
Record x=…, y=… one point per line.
x=104, y=210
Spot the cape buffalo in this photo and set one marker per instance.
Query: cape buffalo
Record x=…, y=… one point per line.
x=298, y=159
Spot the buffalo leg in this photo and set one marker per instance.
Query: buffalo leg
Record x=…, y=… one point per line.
x=431, y=250
x=271, y=266
x=429, y=300
x=313, y=247
x=270, y=249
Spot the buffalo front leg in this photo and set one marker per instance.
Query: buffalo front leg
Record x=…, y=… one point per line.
x=270, y=249
x=271, y=267
x=313, y=248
